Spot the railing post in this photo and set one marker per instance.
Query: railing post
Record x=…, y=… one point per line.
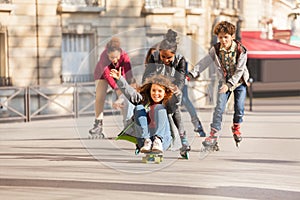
x=75, y=100
x=250, y=93
x=26, y=104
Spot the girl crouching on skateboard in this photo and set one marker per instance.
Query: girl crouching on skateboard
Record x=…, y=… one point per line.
x=150, y=115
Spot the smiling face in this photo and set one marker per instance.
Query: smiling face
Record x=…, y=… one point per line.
x=166, y=56
x=157, y=93
x=225, y=40
x=114, y=56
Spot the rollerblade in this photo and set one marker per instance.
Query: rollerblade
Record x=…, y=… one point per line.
x=139, y=144
x=200, y=130
x=236, y=133
x=137, y=150
x=184, y=150
x=210, y=143
x=96, y=131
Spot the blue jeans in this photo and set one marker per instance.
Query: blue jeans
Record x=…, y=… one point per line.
x=239, y=102
x=162, y=129
x=127, y=111
x=188, y=104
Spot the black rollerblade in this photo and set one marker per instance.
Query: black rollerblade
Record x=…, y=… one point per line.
x=210, y=144
x=237, y=138
x=200, y=130
x=185, y=151
x=96, y=131
x=137, y=150
x=236, y=134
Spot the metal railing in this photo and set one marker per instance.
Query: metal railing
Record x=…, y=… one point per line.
x=51, y=101
x=70, y=100
x=13, y=103
x=54, y=101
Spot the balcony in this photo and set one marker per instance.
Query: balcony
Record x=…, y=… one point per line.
x=6, y=6
x=82, y=6
x=171, y=6
x=5, y=1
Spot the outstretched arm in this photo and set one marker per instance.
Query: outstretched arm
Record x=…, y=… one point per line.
x=131, y=94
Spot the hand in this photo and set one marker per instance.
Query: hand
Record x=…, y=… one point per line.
x=115, y=73
x=223, y=89
x=118, y=104
x=176, y=90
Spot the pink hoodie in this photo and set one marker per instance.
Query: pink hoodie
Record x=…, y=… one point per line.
x=104, y=66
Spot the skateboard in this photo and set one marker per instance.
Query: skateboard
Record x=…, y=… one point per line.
x=125, y=134
x=206, y=150
x=152, y=157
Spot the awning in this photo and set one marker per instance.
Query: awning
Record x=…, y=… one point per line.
x=267, y=49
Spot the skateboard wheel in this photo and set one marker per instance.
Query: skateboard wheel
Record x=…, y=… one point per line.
x=157, y=160
x=144, y=160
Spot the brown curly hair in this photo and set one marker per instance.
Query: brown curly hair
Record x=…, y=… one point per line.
x=224, y=27
x=160, y=80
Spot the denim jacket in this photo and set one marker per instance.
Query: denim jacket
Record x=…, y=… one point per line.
x=241, y=71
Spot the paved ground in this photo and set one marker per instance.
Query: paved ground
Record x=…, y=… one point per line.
x=52, y=159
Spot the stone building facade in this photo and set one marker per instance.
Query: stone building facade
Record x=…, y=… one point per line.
x=56, y=42
x=45, y=42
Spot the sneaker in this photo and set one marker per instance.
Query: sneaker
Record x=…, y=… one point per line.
x=157, y=145
x=147, y=146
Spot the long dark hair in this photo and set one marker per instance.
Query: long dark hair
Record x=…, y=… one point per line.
x=170, y=42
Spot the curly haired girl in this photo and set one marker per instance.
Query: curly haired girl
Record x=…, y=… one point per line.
x=150, y=115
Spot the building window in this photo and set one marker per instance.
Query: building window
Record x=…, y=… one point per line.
x=194, y=3
x=5, y=80
x=5, y=1
x=78, y=58
x=150, y=4
x=234, y=4
x=81, y=2
x=215, y=4
x=87, y=6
